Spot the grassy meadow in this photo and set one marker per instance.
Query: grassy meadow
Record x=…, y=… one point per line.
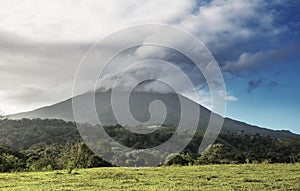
x=206, y=177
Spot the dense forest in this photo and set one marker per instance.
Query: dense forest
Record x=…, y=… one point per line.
x=33, y=145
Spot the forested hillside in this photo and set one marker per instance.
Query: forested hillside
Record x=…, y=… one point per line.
x=29, y=145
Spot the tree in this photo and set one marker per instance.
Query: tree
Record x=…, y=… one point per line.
x=292, y=147
x=44, y=157
x=80, y=156
x=10, y=160
x=220, y=154
x=176, y=159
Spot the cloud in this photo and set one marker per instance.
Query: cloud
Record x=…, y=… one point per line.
x=253, y=84
x=28, y=67
x=272, y=84
x=232, y=27
x=42, y=43
x=57, y=21
x=261, y=82
x=26, y=94
x=157, y=73
x=231, y=98
x=248, y=62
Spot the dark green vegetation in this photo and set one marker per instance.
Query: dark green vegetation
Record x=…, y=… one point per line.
x=206, y=177
x=34, y=145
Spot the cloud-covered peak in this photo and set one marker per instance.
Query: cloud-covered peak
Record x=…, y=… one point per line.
x=42, y=43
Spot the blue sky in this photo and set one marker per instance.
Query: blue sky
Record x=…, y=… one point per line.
x=255, y=42
x=273, y=106
x=268, y=87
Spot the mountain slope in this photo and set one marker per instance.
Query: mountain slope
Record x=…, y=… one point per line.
x=140, y=102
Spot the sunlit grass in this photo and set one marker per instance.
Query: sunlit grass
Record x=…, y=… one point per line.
x=208, y=177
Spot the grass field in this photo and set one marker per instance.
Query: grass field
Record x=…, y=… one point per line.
x=210, y=177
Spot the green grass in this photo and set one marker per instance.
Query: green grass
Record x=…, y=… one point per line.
x=210, y=177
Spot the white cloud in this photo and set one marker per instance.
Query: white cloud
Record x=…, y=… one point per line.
x=42, y=42
x=75, y=20
x=229, y=18
x=231, y=98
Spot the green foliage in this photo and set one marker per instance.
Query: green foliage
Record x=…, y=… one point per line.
x=22, y=134
x=70, y=167
x=41, y=145
x=10, y=160
x=177, y=159
x=80, y=156
x=139, y=158
x=219, y=154
x=10, y=163
x=43, y=157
